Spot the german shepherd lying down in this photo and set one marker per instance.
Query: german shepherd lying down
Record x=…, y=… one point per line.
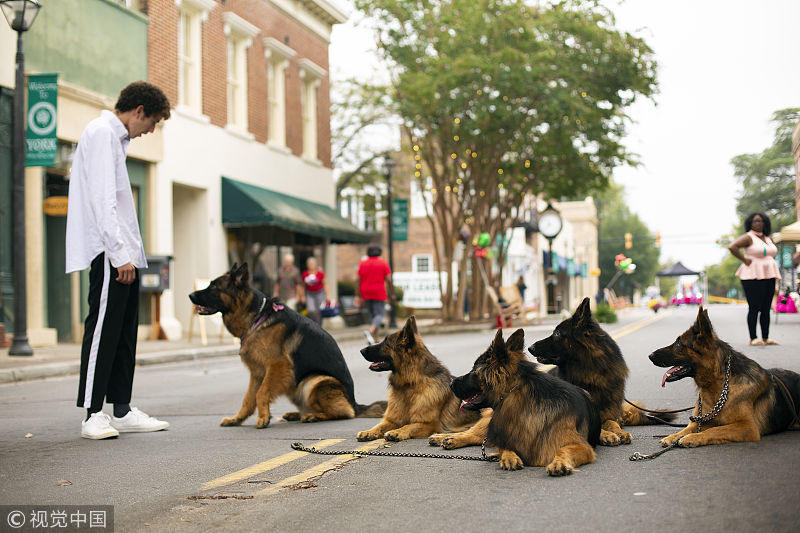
x=586, y=356
x=420, y=399
x=538, y=419
x=286, y=353
x=757, y=402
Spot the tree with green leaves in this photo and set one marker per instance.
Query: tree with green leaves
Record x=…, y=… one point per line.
x=500, y=101
x=616, y=219
x=767, y=179
x=722, y=277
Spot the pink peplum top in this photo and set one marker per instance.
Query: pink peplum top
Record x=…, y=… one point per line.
x=763, y=264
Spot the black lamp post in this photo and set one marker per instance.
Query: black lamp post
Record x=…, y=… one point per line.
x=388, y=167
x=20, y=15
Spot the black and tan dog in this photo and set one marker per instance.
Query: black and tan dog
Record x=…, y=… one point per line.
x=420, y=399
x=538, y=419
x=759, y=401
x=286, y=353
x=587, y=356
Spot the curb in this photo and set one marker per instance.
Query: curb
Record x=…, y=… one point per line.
x=48, y=370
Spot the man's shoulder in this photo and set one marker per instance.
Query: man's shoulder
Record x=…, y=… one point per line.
x=97, y=128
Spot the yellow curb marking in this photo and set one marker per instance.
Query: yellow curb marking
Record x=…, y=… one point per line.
x=319, y=469
x=260, y=468
x=637, y=325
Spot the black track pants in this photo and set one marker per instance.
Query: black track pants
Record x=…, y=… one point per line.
x=108, y=354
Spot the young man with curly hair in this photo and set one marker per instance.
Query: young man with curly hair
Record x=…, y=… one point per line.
x=103, y=235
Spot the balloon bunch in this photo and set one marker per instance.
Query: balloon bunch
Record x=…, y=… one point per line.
x=482, y=249
x=625, y=264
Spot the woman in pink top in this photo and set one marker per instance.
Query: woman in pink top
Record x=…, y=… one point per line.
x=758, y=273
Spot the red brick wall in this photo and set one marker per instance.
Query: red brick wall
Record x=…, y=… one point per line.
x=163, y=67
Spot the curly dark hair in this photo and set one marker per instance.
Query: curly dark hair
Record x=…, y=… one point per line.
x=374, y=251
x=141, y=93
x=748, y=223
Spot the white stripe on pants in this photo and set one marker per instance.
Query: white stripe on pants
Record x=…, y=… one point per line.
x=98, y=331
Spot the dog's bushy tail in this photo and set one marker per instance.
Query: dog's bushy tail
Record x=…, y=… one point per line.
x=373, y=410
x=631, y=416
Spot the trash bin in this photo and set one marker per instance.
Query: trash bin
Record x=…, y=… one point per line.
x=154, y=280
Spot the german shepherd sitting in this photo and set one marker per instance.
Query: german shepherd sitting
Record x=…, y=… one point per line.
x=538, y=419
x=587, y=356
x=420, y=399
x=759, y=401
x=286, y=353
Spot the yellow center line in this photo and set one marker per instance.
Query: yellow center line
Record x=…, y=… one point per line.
x=260, y=468
x=637, y=325
x=318, y=470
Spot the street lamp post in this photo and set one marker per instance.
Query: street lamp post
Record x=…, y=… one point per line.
x=20, y=15
x=388, y=167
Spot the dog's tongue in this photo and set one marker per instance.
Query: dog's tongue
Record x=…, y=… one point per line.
x=666, y=375
x=375, y=366
x=463, y=403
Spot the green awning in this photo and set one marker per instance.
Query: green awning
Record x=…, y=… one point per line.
x=249, y=205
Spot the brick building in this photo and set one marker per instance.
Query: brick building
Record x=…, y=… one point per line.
x=246, y=173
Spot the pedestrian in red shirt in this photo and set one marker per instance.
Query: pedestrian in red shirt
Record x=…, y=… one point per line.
x=374, y=284
x=316, y=290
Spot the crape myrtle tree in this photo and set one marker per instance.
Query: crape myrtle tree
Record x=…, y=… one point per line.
x=501, y=100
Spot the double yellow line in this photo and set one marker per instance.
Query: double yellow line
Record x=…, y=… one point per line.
x=305, y=476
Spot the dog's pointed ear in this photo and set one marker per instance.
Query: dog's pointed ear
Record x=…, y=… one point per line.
x=409, y=331
x=583, y=314
x=704, y=323
x=241, y=275
x=516, y=342
x=499, y=346
x=234, y=268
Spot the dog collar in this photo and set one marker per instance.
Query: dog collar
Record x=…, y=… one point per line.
x=258, y=322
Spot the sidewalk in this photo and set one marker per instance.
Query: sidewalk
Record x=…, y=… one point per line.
x=64, y=359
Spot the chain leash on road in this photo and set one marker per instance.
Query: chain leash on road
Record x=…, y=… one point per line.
x=639, y=457
x=299, y=447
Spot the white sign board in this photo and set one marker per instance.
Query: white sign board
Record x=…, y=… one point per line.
x=420, y=289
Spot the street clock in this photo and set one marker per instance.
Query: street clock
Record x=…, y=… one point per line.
x=550, y=223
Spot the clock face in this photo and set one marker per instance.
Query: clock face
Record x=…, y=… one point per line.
x=550, y=224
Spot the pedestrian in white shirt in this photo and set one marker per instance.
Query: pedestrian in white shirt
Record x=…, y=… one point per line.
x=103, y=235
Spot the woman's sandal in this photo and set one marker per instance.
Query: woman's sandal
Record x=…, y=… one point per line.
x=756, y=342
x=770, y=342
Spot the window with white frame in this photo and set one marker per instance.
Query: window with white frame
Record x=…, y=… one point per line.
x=278, y=56
x=191, y=14
x=311, y=75
x=421, y=201
x=422, y=263
x=240, y=35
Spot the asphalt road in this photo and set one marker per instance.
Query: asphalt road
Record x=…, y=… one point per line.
x=159, y=481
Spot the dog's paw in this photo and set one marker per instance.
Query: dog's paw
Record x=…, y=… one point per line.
x=610, y=439
x=693, y=440
x=309, y=417
x=395, y=435
x=452, y=442
x=367, y=435
x=231, y=421
x=625, y=437
x=669, y=440
x=436, y=439
x=291, y=416
x=559, y=468
x=510, y=461
x=262, y=422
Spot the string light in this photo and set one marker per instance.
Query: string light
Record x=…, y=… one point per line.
x=416, y=157
x=455, y=137
x=463, y=165
x=418, y=166
x=500, y=171
x=417, y=173
x=583, y=93
x=433, y=191
x=499, y=185
x=453, y=156
x=474, y=154
x=457, y=120
x=416, y=148
x=527, y=163
x=482, y=193
x=447, y=188
x=458, y=181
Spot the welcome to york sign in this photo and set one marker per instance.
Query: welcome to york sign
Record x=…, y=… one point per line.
x=41, y=138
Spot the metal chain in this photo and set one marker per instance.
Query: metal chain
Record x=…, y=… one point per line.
x=299, y=446
x=723, y=397
x=639, y=457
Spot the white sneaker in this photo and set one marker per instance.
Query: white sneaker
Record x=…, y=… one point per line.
x=98, y=427
x=369, y=337
x=137, y=421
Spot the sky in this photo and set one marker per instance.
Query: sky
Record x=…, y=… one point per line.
x=724, y=66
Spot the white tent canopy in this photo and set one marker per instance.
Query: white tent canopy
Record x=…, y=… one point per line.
x=788, y=234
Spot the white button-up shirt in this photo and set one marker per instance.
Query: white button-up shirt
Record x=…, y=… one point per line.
x=101, y=216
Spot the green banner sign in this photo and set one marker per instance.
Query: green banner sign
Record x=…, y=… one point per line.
x=786, y=256
x=41, y=136
x=399, y=219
